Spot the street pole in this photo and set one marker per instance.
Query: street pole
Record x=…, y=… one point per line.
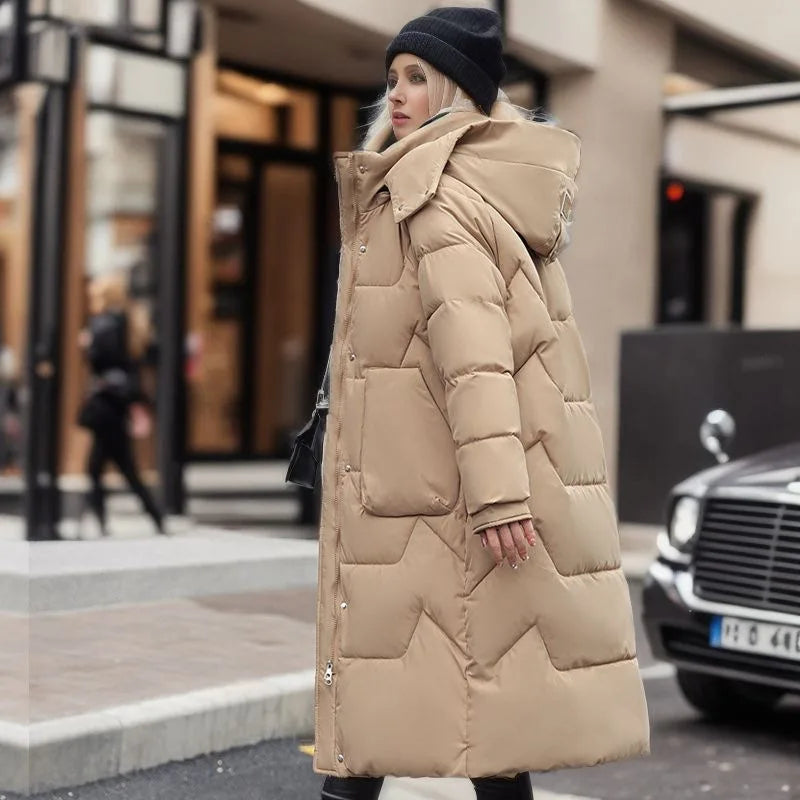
x=41, y=503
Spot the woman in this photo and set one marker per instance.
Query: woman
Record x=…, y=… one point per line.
x=115, y=342
x=461, y=437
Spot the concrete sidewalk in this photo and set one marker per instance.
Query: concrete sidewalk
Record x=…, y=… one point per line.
x=118, y=689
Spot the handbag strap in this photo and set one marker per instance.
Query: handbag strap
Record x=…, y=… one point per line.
x=323, y=394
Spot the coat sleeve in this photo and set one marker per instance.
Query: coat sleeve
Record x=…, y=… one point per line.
x=463, y=297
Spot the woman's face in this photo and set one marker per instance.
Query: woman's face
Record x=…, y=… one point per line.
x=408, y=94
x=97, y=299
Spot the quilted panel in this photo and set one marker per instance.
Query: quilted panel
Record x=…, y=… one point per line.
x=385, y=722
x=556, y=291
x=582, y=627
x=373, y=342
x=380, y=618
x=493, y=396
x=530, y=321
x=577, y=451
x=541, y=403
x=403, y=475
x=571, y=359
x=576, y=524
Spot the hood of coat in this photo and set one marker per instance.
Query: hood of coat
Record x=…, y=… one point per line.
x=524, y=170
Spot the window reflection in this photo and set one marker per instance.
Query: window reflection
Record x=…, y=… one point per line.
x=108, y=12
x=11, y=320
x=123, y=168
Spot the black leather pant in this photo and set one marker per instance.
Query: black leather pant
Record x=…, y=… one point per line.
x=112, y=443
x=517, y=788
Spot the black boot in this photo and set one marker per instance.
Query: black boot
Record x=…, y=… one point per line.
x=335, y=788
x=516, y=788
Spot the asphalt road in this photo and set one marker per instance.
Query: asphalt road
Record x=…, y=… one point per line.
x=691, y=758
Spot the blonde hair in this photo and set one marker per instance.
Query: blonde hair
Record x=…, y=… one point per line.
x=444, y=95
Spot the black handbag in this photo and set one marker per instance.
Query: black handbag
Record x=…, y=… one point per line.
x=306, y=454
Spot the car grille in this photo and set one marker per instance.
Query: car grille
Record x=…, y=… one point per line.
x=748, y=553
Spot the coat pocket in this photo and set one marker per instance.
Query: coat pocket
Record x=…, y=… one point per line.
x=408, y=463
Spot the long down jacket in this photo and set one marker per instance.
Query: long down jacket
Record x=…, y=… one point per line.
x=460, y=400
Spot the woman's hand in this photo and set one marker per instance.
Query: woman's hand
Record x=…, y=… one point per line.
x=510, y=541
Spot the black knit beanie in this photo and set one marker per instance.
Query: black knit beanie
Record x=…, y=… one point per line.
x=463, y=43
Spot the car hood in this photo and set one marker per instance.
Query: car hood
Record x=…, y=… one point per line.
x=769, y=469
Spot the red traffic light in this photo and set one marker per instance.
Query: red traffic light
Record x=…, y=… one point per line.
x=675, y=191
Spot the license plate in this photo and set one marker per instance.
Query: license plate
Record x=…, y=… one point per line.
x=730, y=633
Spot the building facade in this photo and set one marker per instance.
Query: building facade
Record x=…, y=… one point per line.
x=196, y=159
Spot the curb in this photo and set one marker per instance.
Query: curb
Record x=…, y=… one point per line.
x=70, y=576
x=82, y=749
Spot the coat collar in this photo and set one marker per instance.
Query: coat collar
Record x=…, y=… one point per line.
x=410, y=168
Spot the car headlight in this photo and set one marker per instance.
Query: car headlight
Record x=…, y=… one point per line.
x=683, y=524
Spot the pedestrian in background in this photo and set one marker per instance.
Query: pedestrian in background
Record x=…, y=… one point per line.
x=473, y=616
x=115, y=407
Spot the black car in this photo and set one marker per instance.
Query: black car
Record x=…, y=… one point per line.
x=722, y=600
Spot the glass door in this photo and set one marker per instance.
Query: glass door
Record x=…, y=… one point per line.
x=249, y=386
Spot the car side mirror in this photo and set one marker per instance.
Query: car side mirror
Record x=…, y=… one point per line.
x=717, y=433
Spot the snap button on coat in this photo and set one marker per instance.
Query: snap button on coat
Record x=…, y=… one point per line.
x=471, y=408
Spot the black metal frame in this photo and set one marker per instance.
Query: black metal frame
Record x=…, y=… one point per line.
x=741, y=230
x=172, y=385
x=732, y=106
x=19, y=40
x=43, y=366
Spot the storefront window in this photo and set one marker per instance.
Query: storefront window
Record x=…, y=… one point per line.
x=6, y=39
x=344, y=122
x=16, y=149
x=145, y=14
x=10, y=335
x=134, y=81
x=183, y=15
x=89, y=12
x=48, y=51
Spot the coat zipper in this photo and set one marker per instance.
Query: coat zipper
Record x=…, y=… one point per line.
x=328, y=678
x=328, y=674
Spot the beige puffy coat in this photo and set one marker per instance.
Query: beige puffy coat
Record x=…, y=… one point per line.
x=459, y=400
